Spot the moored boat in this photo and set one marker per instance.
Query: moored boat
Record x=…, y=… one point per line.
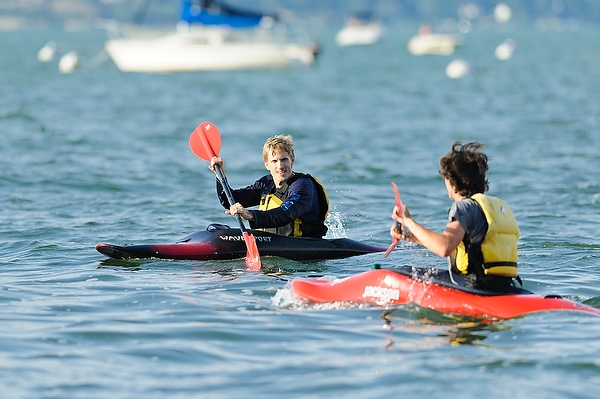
x=212, y=37
x=428, y=43
x=222, y=242
x=359, y=31
x=431, y=288
x=432, y=44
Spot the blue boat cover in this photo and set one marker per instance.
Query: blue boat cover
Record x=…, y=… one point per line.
x=214, y=12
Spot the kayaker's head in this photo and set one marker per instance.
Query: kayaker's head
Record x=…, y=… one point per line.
x=464, y=168
x=278, y=155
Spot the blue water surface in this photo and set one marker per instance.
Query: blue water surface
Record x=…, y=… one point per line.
x=102, y=156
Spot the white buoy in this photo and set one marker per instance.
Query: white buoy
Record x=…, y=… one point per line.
x=505, y=50
x=502, y=13
x=457, y=69
x=46, y=53
x=68, y=62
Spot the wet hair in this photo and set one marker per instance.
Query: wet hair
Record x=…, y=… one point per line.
x=279, y=142
x=465, y=167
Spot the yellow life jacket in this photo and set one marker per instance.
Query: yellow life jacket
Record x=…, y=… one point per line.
x=497, y=254
x=297, y=228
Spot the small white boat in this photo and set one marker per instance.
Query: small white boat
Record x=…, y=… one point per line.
x=434, y=44
x=426, y=42
x=357, y=32
x=211, y=38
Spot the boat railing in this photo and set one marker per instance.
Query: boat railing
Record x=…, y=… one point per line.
x=197, y=33
x=277, y=34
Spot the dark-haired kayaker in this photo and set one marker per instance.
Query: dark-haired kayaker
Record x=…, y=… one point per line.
x=480, y=239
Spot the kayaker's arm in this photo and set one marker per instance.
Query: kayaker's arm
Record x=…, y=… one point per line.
x=286, y=213
x=238, y=209
x=441, y=244
x=298, y=204
x=263, y=219
x=247, y=196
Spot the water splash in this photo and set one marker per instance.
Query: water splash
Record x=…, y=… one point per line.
x=285, y=298
x=335, y=224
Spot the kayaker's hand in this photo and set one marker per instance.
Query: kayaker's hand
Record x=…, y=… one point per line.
x=238, y=209
x=406, y=212
x=214, y=161
x=398, y=230
x=397, y=214
x=402, y=233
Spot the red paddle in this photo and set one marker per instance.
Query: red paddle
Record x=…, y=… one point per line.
x=399, y=205
x=205, y=143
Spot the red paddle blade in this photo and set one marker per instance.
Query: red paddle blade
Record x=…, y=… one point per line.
x=252, y=255
x=391, y=247
x=205, y=141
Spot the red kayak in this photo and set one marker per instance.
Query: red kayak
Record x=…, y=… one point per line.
x=220, y=241
x=431, y=288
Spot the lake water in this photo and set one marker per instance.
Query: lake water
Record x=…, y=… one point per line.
x=103, y=156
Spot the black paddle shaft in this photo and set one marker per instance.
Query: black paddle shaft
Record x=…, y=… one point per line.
x=229, y=194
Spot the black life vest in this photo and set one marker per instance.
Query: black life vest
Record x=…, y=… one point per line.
x=273, y=198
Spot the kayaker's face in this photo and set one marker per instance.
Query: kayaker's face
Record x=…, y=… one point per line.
x=280, y=164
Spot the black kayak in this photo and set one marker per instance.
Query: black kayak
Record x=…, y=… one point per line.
x=222, y=242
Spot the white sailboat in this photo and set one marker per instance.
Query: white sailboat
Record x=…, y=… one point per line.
x=211, y=36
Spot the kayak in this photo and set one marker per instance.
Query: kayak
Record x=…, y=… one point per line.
x=220, y=241
x=431, y=288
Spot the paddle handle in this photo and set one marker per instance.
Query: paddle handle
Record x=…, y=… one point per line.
x=229, y=194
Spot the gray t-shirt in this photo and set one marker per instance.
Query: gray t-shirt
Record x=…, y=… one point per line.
x=471, y=218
